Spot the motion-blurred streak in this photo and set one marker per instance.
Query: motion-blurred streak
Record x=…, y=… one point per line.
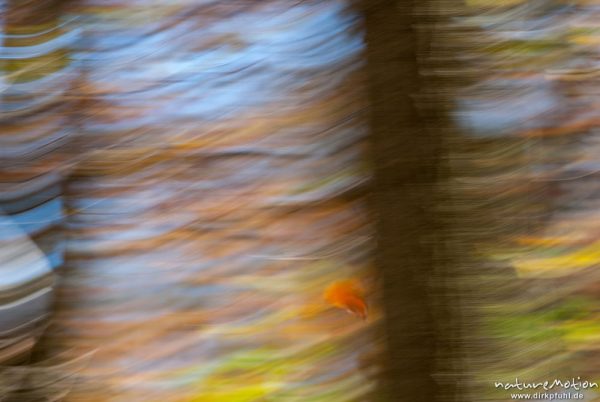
x=210, y=172
x=519, y=85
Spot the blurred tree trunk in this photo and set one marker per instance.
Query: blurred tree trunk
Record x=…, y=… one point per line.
x=411, y=133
